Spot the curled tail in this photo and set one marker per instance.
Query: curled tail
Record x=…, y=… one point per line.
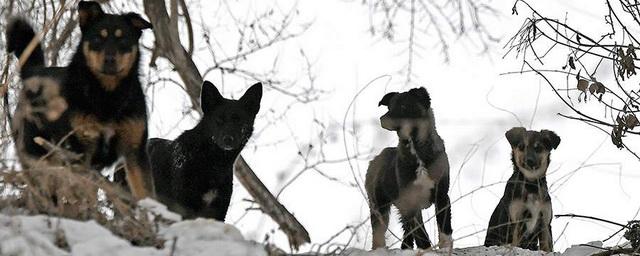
x=19, y=35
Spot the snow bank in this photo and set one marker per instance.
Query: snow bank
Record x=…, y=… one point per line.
x=576, y=250
x=43, y=235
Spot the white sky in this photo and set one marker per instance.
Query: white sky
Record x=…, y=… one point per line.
x=466, y=96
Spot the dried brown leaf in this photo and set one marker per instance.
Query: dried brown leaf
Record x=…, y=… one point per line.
x=582, y=85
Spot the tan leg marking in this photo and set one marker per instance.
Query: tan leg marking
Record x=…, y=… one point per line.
x=130, y=135
x=516, y=209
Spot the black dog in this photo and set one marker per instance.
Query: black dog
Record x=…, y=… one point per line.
x=412, y=175
x=97, y=99
x=523, y=216
x=194, y=173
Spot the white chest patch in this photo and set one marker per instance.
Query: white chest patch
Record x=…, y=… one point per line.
x=208, y=197
x=417, y=195
x=540, y=212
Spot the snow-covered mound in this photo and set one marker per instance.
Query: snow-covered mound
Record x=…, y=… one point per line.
x=576, y=250
x=44, y=235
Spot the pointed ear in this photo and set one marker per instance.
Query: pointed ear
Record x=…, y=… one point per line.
x=515, y=135
x=88, y=12
x=550, y=139
x=251, y=98
x=137, y=21
x=210, y=97
x=422, y=95
x=386, y=99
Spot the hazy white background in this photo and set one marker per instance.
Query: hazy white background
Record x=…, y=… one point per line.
x=470, y=98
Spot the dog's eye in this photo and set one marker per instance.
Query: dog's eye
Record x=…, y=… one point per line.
x=538, y=148
x=521, y=146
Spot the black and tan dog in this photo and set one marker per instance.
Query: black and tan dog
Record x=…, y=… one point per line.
x=523, y=216
x=97, y=100
x=411, y=176
x=194, y=173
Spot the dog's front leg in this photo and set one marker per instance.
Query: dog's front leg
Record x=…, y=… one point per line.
x=132, y=137
x=545, y=237
x=416, y=230
x=87, y=130
x=516, y=209
x=443, y=218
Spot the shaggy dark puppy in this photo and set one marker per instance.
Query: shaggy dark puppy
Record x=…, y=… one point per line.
x=523, y=216
x=194, y=173
x=411, y=176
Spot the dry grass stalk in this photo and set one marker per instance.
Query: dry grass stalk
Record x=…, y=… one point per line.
x=73, y=193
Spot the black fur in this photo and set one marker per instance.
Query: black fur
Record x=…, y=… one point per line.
x=19, y=35
x=523, y=189
x=394, y=171
x=200, y=161
x=115, y=106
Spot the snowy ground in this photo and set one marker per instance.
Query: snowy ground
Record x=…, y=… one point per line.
x=22, y=235
x=43, y=235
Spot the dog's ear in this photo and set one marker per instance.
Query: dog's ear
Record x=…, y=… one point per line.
x=251, y=98
x=210, y=97
x=515, y=135
x=88, y=12
x=422, y=95
x=137, y=21
x=386, y=99
x=550, y=139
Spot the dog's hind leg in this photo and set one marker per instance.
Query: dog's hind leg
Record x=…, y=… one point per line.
x=379, y=224
x=132, y=138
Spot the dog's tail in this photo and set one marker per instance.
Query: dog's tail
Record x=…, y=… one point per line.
x=19, y=35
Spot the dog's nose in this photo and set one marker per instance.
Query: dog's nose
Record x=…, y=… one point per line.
x=530, y=162
x=227, y=140
x=109, y=59
x=110, y=65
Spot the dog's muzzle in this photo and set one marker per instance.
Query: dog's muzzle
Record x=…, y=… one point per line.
x=388, y=123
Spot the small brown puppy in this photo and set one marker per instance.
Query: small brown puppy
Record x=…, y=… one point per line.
x=411, y=176
x=523, y=216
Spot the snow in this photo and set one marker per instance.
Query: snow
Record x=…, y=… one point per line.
x=157, y=209
x=22, y=235
x=37, y=235
x=576, y=250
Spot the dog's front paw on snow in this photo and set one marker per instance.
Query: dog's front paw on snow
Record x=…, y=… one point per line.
x=445, y=241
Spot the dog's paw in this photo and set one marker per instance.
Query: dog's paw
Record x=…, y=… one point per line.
x=445, y=241
x=55, y=108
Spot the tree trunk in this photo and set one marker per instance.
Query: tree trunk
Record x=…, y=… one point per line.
x=168, y=45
